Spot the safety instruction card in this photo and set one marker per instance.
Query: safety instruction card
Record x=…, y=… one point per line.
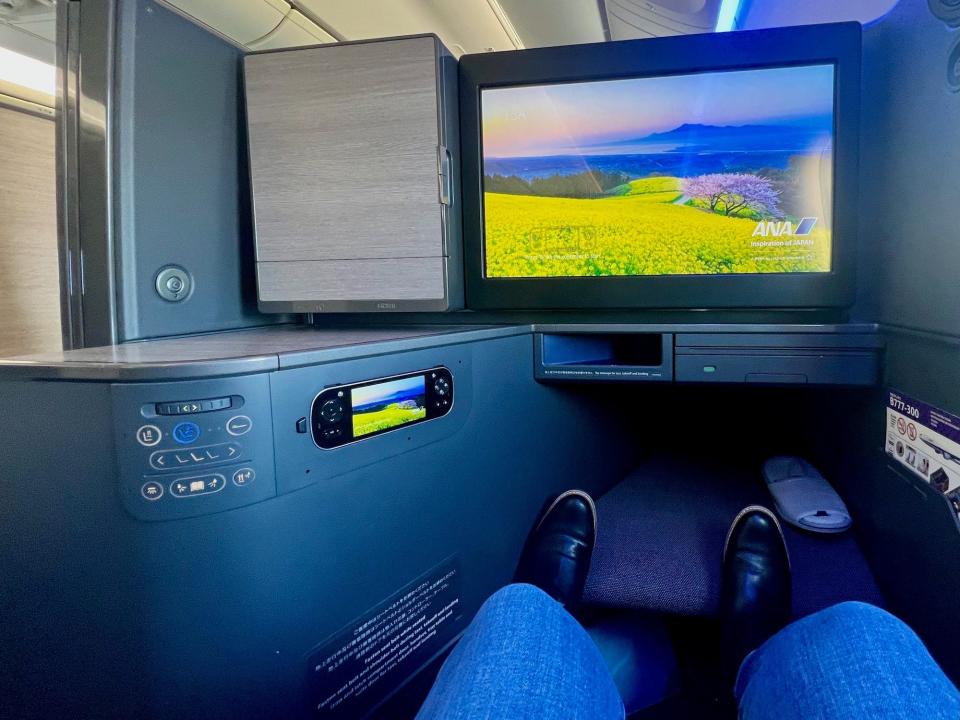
x=926, y=440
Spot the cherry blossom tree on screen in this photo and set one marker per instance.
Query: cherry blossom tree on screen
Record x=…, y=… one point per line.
x=729, y=193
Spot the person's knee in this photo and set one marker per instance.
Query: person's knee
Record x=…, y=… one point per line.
x=853, y=633
x=846, y=627
x=517, y=596
x=520, y=592
x=856, y=611
x=515, y=600
x=829, y=663
x=856, y=624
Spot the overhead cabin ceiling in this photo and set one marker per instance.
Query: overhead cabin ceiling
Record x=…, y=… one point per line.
x=633, y=19
x=545, y=23
x=766, y=14
x=469, y=26
x=463, y=25
x=28, y=27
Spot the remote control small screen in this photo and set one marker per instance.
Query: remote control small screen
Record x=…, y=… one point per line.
x=388, y=405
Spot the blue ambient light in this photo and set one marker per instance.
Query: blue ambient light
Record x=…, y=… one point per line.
x=727, y=17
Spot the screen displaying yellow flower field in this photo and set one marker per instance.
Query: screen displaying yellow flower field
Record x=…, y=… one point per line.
x=386, y=405
x=700, y=174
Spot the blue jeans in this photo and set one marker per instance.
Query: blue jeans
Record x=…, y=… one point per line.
x=524, y=656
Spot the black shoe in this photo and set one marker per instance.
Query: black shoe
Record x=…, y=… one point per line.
x=557, y=554
x=755, y=593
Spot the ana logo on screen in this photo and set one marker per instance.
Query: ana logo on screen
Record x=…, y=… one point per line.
x=773, y=228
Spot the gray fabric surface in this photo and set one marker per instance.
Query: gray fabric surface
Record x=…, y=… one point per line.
x=661, y=534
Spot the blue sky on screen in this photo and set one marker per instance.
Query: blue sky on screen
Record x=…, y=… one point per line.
x=617, y=116
x=389, y=391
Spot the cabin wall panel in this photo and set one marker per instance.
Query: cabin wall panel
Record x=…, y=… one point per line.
x=181, y=179
x=214, y=616
x=909, y=259
x=29, y=266
x=910, y=171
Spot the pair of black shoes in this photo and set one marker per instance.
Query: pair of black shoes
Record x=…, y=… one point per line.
x=755, y=594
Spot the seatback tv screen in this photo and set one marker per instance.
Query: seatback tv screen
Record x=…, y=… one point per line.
x=677, y=174
x=716, y=172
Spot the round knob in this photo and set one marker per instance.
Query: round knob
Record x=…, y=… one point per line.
x=173, y=283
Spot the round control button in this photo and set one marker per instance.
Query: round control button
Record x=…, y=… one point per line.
x=332, y=411
x=186, y=432
x=441, y=386
x=173, y=283
x=149, y=435
x=243, y=476
x=152, y=490
x=239, y=425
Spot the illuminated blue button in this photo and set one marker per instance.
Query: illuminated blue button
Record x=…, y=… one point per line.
x=186, y=432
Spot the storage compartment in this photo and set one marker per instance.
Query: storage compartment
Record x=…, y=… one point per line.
x=632, y=350
x=849, y=355
x=353, y=166
x=604, y=356
x=779, y=358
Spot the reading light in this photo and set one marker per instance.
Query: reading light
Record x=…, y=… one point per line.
x=27, y=72
x=727, y=17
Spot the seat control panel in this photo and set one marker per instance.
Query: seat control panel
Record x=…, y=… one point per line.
x=204, y=455
x=345, y=414
x=192, y=407
x=183, y=458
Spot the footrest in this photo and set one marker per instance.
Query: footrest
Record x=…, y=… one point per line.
x=660, y=543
